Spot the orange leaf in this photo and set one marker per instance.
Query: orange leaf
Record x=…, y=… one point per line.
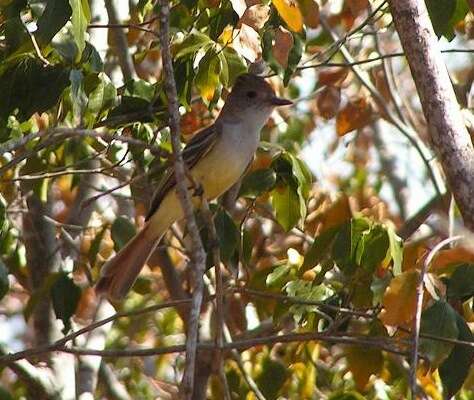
x=256, y=16
x=328, y=101
x=399, y=300
x=290, y=13
x=310, y=11
x=354, y=115
x=282, y=47
x=452, y=256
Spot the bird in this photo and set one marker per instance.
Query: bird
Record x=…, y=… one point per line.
x=216, y=157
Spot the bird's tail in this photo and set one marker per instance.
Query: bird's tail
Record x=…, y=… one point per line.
x=119, y=273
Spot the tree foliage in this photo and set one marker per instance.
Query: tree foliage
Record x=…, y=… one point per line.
x=324, y=240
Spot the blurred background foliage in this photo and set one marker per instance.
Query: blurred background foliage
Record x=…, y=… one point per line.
x=326, y=233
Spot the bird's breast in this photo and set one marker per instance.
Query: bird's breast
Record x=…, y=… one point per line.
x=228, y=159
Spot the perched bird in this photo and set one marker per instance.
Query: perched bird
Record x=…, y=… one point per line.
x=216, y=157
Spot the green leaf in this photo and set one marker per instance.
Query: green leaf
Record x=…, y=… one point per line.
x=54, y=17
x=80, y=19
x=347, y=396
x=293, y=58
x=184, y=77
x=140, y=88
x=272, y=378
x=224, y=75
x=194, y=42
x=286, y=203
x=257, y=183
x=319, y=249
x=30, y=87
x=227, y=234
x=3, y=216
x=122, y=231
x=78, y=95
x=65, y=295
x=347, y=240
x=276, y=277
x=101, y=94
x=454, y=370
x=396, y=250
x=440, y=320
x=461, y=283
x=91, y=60
x=4, y=282
x=445, y=14
x=207, y=77
x=372, y=248
x=235, y=64
x=310, y=291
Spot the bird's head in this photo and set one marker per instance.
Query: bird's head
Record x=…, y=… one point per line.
x=250, y=95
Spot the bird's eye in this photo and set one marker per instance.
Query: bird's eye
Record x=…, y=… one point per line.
x=251, y=94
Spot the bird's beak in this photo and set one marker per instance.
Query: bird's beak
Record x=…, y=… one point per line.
x=278, y=101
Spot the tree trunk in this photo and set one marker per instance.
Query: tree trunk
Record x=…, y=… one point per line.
x=448, y=132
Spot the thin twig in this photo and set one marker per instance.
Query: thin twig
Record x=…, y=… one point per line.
x=198, y=256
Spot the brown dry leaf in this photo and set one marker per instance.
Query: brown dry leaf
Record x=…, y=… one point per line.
x=290, y=13
x=255, y=16
x=363, y=362
x=310, y=11
x=354, y=115
x=283, y=45
x=247, y=43
x=328, y=101
x=332, y=76
x=399, y=300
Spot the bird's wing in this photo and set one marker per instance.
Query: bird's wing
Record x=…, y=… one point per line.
x=200, y=145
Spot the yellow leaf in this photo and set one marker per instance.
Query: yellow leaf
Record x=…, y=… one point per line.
x=290, y=13
x=226, y=36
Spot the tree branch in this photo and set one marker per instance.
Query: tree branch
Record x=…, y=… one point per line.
x=198, y=255
x=446, y=125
